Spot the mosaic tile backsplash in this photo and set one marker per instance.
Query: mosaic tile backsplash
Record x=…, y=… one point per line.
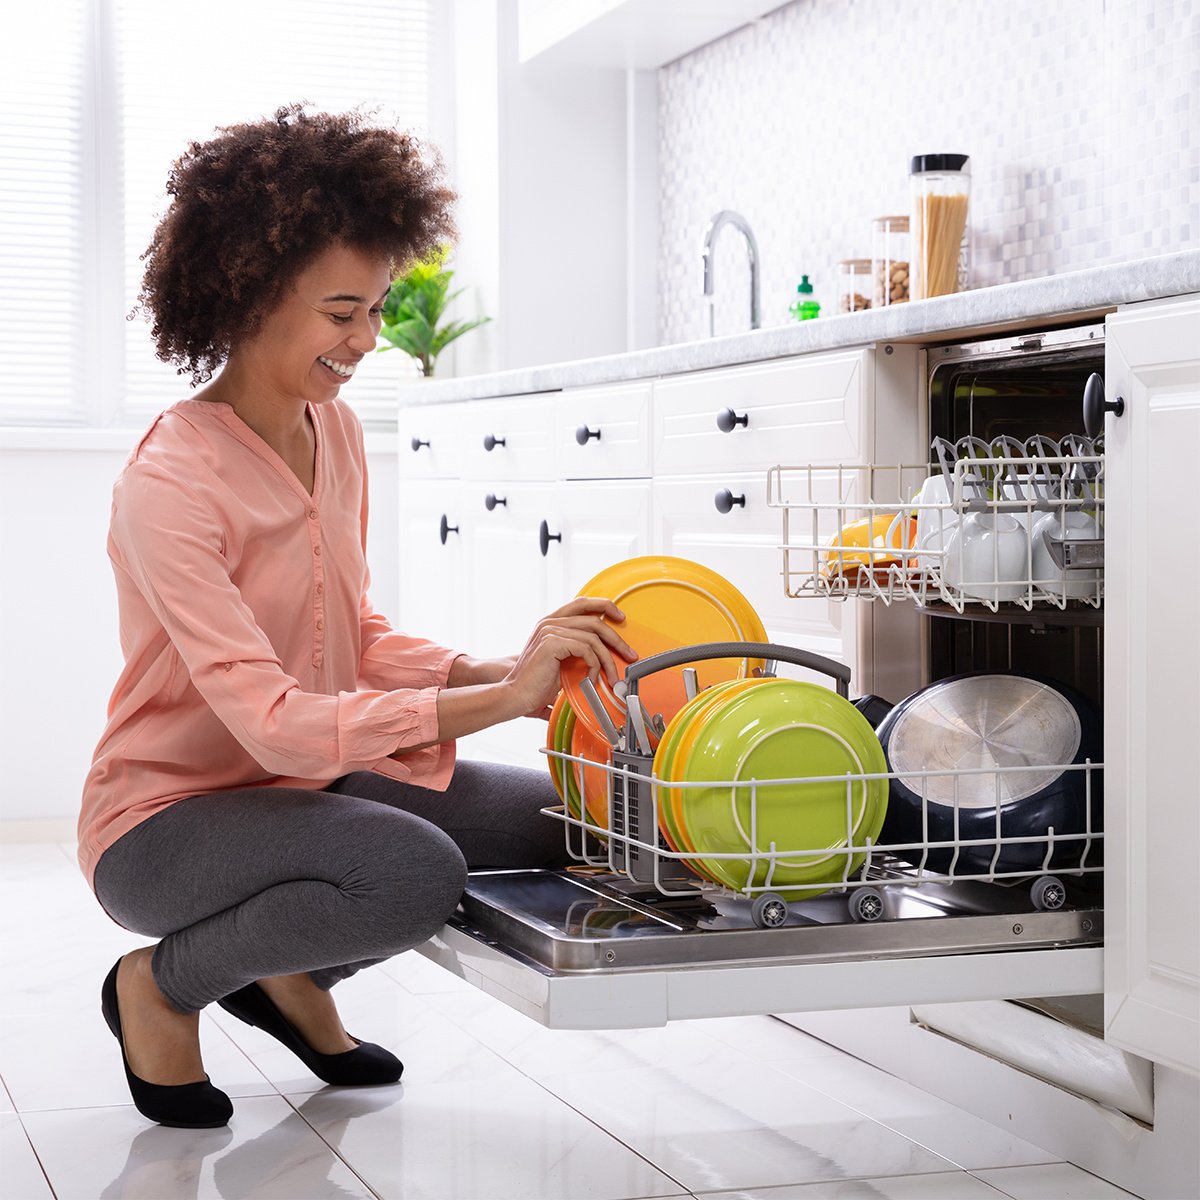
x=1081, y=117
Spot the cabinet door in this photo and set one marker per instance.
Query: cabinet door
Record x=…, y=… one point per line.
x=742, y=544
x=432, y=565
x=508, y=589
x=1152, y=684
x=506, y=592
x=601, y=524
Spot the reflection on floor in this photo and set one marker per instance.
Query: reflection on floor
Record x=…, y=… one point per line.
x=492, y=1105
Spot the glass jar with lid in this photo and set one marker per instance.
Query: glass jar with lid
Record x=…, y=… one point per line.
x=889, y=261
x=940, y=190
x=854, y=284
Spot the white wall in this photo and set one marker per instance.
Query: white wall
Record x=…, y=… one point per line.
x=555, y=166
x=59, y=655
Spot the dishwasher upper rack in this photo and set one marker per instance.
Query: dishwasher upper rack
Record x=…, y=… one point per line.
x=1050, y=508
x=632, y=843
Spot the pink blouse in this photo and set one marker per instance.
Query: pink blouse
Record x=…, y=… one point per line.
x=252, y=654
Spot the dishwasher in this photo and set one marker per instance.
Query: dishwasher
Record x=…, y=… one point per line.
x=641, y=930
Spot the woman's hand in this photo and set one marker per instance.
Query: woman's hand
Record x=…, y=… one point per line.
x=579, y=629
x=485, y=692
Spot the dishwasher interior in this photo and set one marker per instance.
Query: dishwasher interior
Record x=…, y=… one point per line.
x=637, y=905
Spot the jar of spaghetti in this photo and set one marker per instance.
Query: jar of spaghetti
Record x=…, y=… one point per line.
x=889, y=260
x=940, y=190
x=854, y=284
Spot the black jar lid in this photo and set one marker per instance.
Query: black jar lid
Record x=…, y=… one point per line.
x=938, y=162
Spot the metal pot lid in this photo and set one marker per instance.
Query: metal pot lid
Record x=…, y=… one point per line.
x=980, y=722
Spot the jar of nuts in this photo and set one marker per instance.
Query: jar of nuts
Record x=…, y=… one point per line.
x=889, y=260
x=854, y=284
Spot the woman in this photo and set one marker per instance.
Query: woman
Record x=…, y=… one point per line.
x=275, y=795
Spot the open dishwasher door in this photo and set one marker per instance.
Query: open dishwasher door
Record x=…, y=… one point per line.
x=636, y=937
x=593, y=950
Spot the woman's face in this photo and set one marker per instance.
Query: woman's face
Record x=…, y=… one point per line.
x=310, y=345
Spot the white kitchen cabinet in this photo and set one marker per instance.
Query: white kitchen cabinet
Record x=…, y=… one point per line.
x=600, y=523
x=432, y=565
x=511, y=438
x=723, y=521
x=603, y=432
x=1152, y=684
x=432, y=442
x=750, y=418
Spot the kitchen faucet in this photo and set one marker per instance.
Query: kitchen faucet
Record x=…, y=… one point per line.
x=728, y=217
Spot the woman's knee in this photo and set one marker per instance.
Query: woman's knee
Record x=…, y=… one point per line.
x=410, y=884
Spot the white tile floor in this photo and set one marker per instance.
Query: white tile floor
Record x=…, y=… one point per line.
x=492, y=1105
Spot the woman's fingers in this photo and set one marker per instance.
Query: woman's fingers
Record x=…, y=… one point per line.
x=595, y=624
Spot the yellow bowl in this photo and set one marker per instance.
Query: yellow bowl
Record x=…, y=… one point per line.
x=872, y=543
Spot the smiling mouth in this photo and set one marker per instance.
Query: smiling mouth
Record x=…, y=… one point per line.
x=342, y=370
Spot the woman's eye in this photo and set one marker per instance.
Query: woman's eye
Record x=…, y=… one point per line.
x=341, y=318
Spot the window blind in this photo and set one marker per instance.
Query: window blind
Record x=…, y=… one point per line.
x=42, y=209
x=80, y=195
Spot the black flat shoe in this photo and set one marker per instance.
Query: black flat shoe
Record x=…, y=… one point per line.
x=366, y=1063
x=184, y=1105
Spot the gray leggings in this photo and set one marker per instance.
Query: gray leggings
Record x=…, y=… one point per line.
x=268, y=881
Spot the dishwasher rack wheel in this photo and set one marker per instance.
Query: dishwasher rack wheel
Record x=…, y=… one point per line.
x=866, y=904
x=1048, y=894
x=769, y=911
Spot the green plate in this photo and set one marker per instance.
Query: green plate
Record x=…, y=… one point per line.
x=566, y=728
x=783, y=729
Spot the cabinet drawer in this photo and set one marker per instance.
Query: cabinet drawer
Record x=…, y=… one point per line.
x=509, y=438
x=431, y=441
x=808, y=410
x=604, y=432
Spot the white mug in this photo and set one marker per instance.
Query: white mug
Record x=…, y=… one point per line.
x=935, y=520
x=1047, y=574
x=986, y=557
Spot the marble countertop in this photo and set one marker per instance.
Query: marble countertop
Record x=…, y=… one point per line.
x=1053, y=298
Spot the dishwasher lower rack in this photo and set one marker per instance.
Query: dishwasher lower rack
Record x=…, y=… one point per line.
x=980, y=534
x=1045, y=871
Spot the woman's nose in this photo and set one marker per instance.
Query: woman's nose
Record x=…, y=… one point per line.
x=362, y=335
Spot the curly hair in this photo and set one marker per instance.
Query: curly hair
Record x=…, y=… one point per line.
x=255, y=205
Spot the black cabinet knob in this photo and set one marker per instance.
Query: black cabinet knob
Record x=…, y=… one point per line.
x=417, y=443
x=725, y=500
x=583, y=434
x=728, y=420
x=545, y=537
x=1095, y=406
x=491, y=500
x=447, y=528
x=490, y=442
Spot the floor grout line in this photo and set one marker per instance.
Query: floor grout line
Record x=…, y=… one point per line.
x=37, y=1157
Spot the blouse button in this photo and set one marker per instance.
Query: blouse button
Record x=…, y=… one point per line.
x=312, y=512
x=227, y=666
x=316, y=549
x=320, y=624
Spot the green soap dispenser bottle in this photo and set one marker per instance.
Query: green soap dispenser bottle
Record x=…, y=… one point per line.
x=805, y=307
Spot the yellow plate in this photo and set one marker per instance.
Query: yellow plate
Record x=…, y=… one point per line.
x=676, y=760
x=668, y=602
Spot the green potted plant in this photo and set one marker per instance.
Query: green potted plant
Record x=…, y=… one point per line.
x=413, y=311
